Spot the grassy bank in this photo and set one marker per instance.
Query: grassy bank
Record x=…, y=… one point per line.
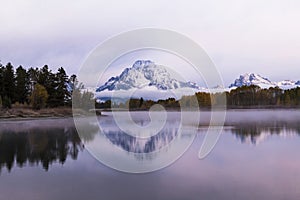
x=42, y=113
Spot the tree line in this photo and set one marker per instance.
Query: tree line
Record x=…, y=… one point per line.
x=241, y=97
x=37, y=87
x=255, y=96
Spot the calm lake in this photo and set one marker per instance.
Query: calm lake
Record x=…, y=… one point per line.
x=256, y=157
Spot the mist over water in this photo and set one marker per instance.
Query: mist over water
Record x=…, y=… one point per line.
x=255, y=158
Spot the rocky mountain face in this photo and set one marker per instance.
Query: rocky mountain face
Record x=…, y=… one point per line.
x=145, y=73
x=256, y=79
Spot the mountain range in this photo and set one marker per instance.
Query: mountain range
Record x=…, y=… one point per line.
x=145, y=76
x=256, y=79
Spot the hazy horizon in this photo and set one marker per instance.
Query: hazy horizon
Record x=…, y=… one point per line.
x=239, y=36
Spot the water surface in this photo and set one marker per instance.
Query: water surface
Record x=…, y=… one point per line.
x=256, y=157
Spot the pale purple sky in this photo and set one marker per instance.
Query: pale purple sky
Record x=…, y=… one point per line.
x=239, y=36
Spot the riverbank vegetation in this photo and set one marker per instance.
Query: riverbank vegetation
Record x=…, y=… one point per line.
x=37, y=88
x=242, y=97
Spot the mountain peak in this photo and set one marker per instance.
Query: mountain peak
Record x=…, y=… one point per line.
x=252, y=79
x=145, y=73
x=252, y=76
x=142, y=63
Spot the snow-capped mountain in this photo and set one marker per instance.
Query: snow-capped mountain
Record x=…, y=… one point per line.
x=252, y=79
x=145, y=73
x=256, y=79
x=151, y=81
x=287, y=84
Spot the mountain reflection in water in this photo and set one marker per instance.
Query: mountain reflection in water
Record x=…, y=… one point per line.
x=142, y=145
x=42, y=142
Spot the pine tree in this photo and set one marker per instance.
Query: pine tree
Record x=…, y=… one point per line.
x=61, y=91
x=46, y=78
x=8, y=84
x=287, y=100
x=51, y=87
x=22, y=85
x=33, y=77
x=1, y=80
x=43, y=76
x=6, y=103
x=298, y=96
x=141, y=102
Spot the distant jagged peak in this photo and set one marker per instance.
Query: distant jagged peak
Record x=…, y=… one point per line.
x=256, y=79
x=142, y=74
x=142, y=63
x=286, y=82
x=252, y=79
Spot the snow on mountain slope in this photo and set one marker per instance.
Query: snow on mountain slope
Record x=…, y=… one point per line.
x=142, y=74
x=252, y=79
x=151, y=81
x=255, y=79
x=287, y=84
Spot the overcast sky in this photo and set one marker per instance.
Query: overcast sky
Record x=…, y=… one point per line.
x=239, y=36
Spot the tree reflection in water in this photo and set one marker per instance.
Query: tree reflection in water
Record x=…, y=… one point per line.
x=256, y=133
x=39, y=144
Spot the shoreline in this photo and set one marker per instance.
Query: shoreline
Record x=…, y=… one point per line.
x=65, y=113
x=8, y=119
x=18, y=114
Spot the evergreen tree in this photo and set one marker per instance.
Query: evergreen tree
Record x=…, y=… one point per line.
x=1, y=80
x=43, y=76
x=298, y=95
x=6, y=103
x=8, y=84
x=141, y=102
x=51, y=87
x=22, y=85
x=287, y=99
x=33, y=77
x=62, y=90
x=46, y=78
